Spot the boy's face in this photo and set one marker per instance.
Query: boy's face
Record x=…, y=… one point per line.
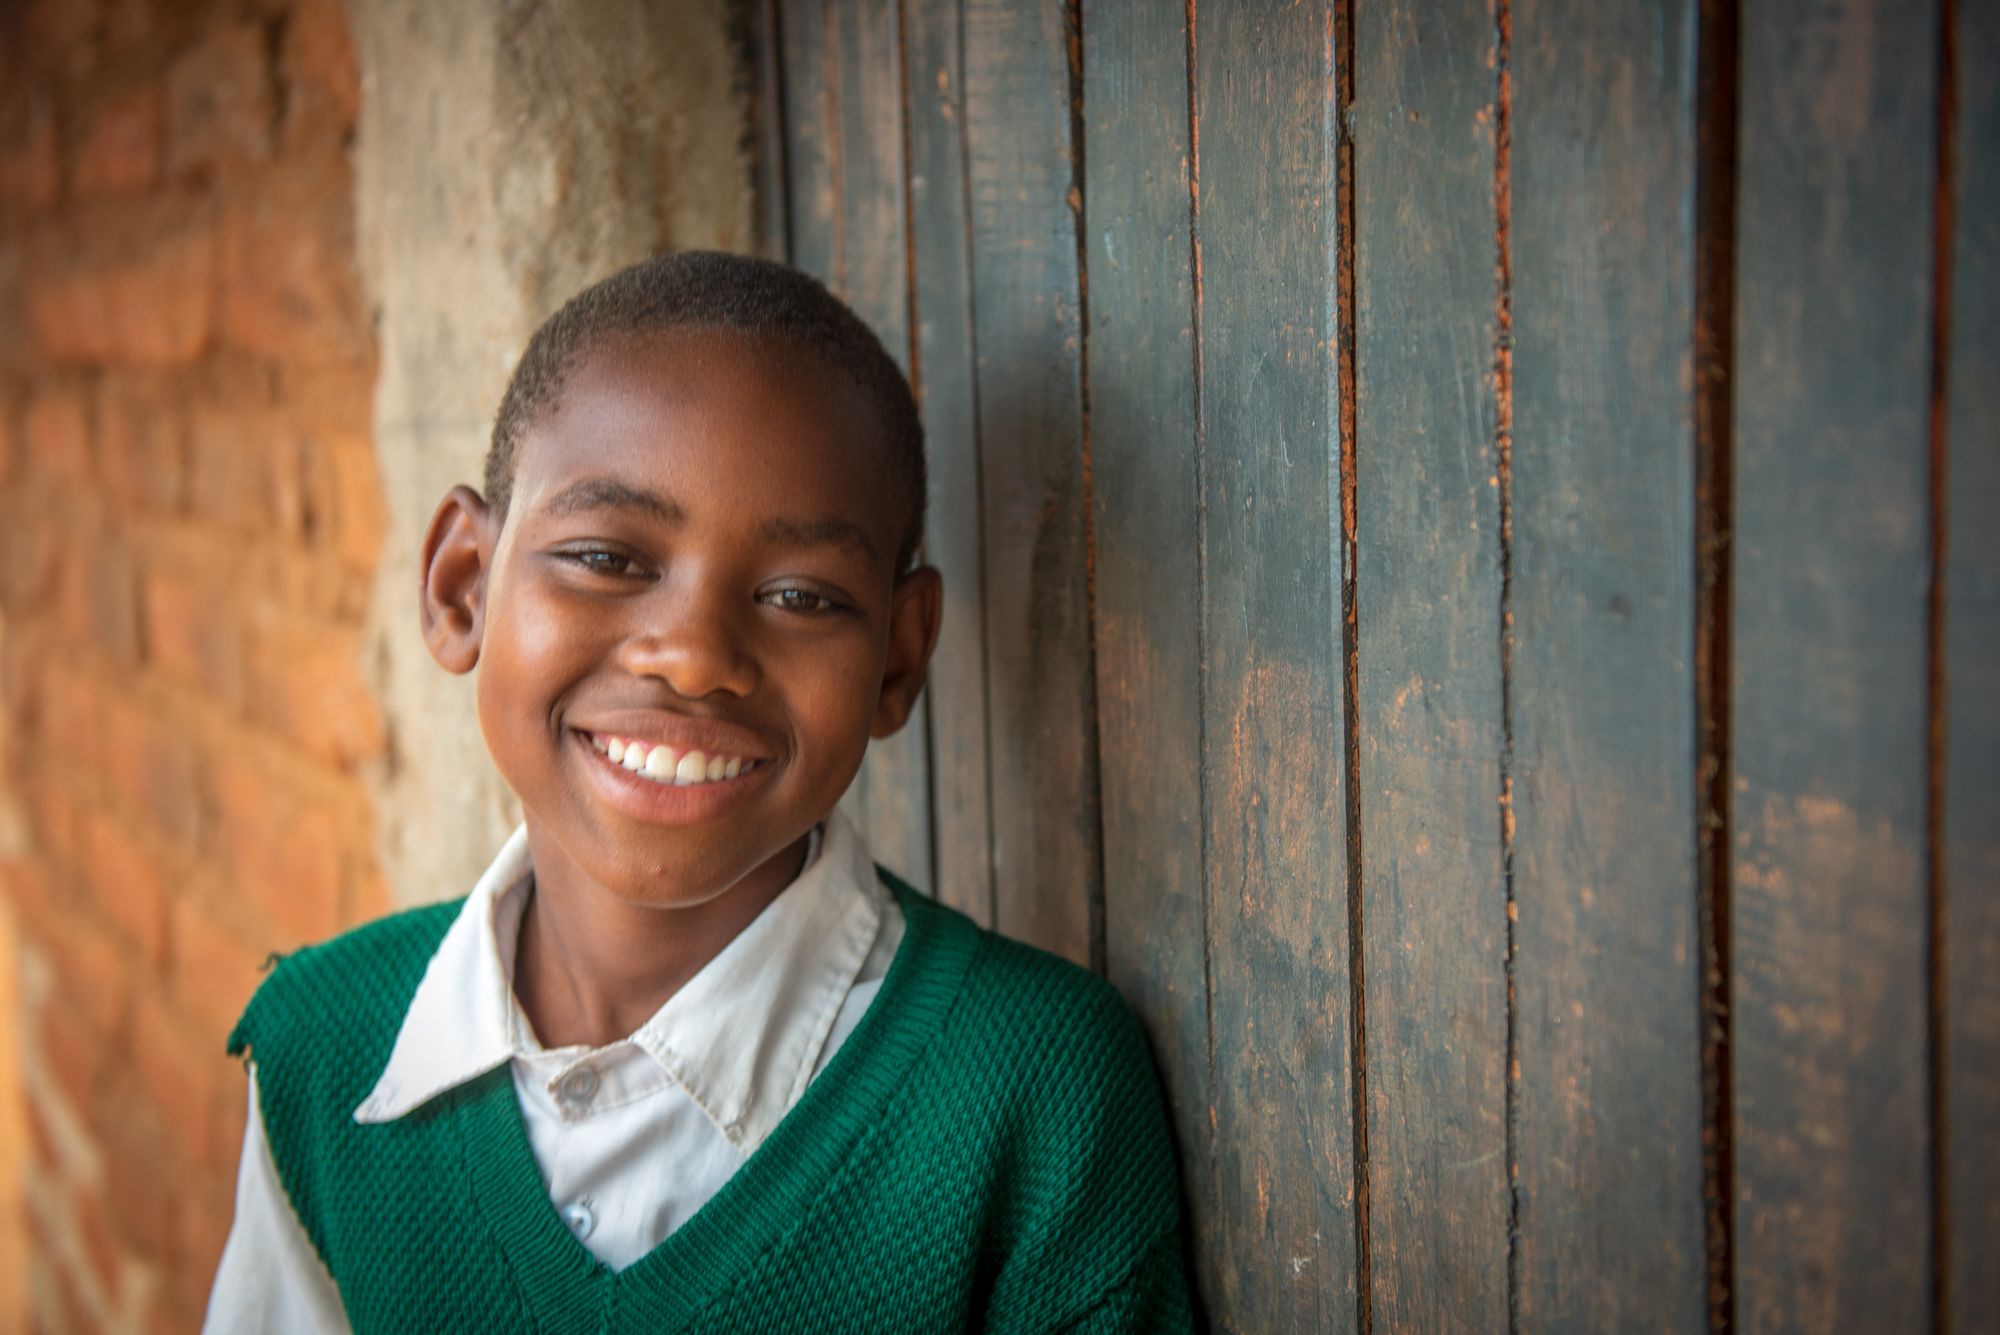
x=698, y=555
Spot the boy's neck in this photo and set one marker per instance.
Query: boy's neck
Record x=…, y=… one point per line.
x=590, y=967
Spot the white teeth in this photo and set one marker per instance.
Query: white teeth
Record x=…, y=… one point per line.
x=662, y=764
x=659, y=763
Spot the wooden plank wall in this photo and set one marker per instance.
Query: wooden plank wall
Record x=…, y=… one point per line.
x=1471, y=597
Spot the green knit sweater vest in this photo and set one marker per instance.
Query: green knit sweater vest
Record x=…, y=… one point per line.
x=987, y=1150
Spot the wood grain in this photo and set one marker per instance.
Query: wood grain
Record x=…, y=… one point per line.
x=1146, y=494
x=1608, y=1131
x=1830, y=920
x=1971, y=864
x=1428, y=593
x=1027, y=316
x=871, y=272
x=948, y=389
x=811, y=130
x=1271, y=657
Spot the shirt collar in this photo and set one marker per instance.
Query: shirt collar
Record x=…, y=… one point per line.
x=742, y=1037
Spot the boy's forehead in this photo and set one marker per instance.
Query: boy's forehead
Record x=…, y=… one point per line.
x=681, y=408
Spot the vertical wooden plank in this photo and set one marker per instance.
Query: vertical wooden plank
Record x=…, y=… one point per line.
x=1608, y=1129
x=1028, y=325
x=765, y=57
x=1428, y=592
x=871, y=272
x=1146, y=494
x=811, y=134
x=1271, y=660
x=1830, y=915
x=940, y=231
x=1971, y=864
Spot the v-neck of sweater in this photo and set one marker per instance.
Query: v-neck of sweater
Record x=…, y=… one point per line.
x=561, y=1282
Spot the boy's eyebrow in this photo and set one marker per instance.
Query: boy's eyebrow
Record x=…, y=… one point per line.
x=830, y=531
x=603, y=493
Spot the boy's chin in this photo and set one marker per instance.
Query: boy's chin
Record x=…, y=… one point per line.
x=679, y=869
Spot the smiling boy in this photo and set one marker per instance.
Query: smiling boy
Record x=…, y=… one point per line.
x=683, y=1059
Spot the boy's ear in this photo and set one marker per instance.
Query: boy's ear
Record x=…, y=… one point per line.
x=458, y=546
x=914, y=614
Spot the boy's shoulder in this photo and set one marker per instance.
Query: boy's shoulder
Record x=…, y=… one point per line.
x=350, y=984
x=1020, y=1004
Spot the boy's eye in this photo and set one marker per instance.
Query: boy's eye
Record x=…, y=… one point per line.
x=801, y=600
x=598, y=561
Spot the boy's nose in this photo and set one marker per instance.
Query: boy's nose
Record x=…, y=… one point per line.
x=694, y=648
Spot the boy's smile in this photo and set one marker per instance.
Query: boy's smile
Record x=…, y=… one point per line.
x=689, y=624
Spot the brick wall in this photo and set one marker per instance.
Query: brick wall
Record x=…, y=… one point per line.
x=189, y=521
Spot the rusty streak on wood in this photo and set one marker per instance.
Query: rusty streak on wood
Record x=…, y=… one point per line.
x=1714, y=387
x=1942, y=220
x=1340, y=59
x=1601, y=702
x=1970, y=1055
x=1829, y=938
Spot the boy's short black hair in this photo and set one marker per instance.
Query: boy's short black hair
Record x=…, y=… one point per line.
x=714, y=290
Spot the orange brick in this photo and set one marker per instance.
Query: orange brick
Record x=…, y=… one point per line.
x=232, y=1111
x=153, y=309
x=305, y=681
x=66, y=710
x=122, y=142
x=30, y=170
x=290, y=289
x=57, y=432
x=181, y=1080
x=319, y=57
x=134, y=1152
x=30, y=553
x=215, y=968
x=360, y=511
x=190, y=632
x=70, y=1053
x=149, y=762
x=205, y=1216
x=64, y=27
x=142, y=446
x=220, y=101
x=369, y=896
x=10, y=440
x=42, y=1141
x=229, y=464
x=280, y=851
x=96, y=592
x=92, y=981
x=127, y=884
x=102, y=1248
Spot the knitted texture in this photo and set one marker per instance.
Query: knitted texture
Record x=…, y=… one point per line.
x=986, y=1150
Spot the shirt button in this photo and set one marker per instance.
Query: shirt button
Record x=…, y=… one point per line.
x=577, y=1088
x=580, y=1218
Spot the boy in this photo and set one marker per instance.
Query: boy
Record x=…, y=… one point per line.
x=683, y=1060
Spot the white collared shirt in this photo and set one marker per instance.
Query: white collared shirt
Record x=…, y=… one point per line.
x=631, y=1138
